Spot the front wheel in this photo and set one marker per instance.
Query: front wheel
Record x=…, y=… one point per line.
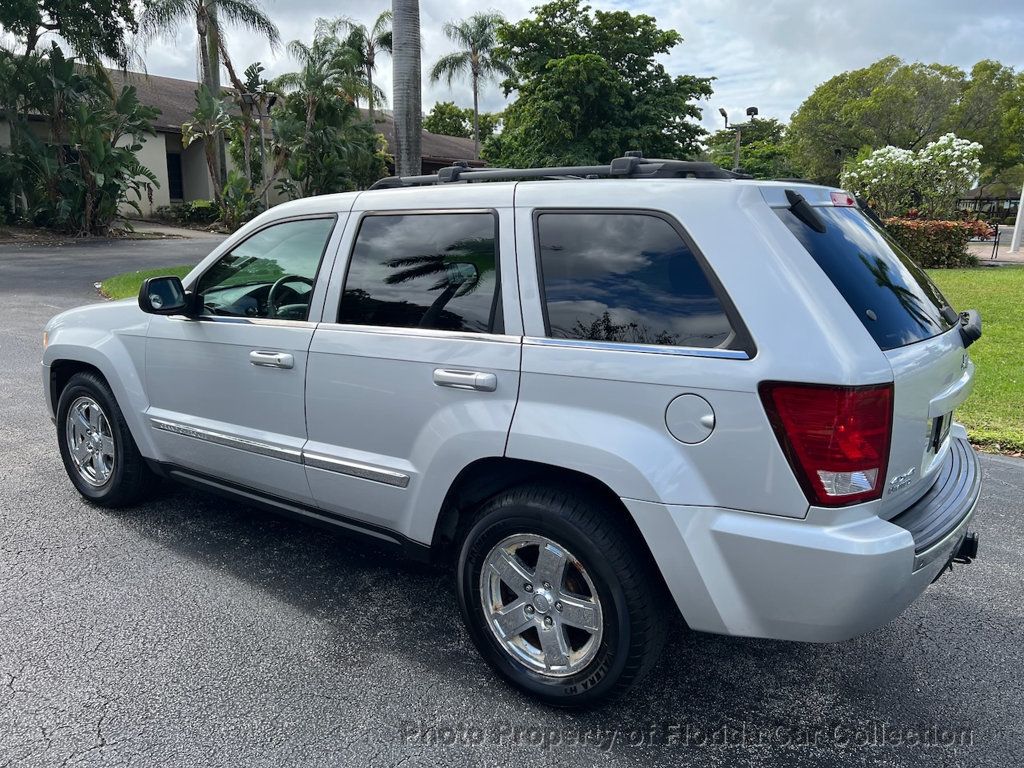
x=559, y=596
x=99, y=453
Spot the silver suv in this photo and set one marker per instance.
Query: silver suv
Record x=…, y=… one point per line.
x=597, y=392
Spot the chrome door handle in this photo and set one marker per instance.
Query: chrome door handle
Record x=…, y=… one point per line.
x=271, y=359
x=478, y=380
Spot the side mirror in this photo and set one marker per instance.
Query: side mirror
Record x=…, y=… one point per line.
x=164, y=296
x=970, y=326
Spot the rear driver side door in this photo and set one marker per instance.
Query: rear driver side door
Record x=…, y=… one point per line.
x=416, y=376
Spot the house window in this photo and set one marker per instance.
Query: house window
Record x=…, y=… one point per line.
x=175, y=186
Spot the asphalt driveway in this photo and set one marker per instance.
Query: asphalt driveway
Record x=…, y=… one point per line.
x=196, y=632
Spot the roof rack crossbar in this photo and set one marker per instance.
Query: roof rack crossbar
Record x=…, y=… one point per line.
x=631, y=166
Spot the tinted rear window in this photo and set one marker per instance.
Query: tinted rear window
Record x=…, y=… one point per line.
x=627, y=278
x=892, y=296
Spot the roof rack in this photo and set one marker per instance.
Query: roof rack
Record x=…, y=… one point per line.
x=632, y=166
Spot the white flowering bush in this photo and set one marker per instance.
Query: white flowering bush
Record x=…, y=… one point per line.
x=947, y=167
x=896, y=180
x=887, y=178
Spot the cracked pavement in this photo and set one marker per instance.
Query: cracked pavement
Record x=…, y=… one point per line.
x=196, y=632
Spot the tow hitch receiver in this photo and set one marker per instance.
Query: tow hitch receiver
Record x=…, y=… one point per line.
x=965, y=553
x=968, y=549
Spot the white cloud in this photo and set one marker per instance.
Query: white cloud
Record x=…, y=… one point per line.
x=768, y=53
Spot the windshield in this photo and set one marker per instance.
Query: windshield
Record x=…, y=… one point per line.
x=892, y=296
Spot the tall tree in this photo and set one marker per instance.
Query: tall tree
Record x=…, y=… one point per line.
x=163, y=17
x=91, y=28
x=590, y=87
x=476, y=39
x=370, y=43
x=328, y=69
x=763, y=152
x=886, y=103
x=408, y=97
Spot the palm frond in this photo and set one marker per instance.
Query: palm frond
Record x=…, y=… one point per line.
x=248, y=14
x=450, y=66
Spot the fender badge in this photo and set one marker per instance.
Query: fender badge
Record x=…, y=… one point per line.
x=902, y=481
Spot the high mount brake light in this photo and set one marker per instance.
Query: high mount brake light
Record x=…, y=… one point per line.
x=843, y=200
x=835, y=438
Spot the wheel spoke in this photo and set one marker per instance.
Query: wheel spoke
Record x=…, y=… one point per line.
x=513, y=620
x=80, y=422
x=556, y=650
x=579, y=613
x=550, y=565
x=80, y=451
x=107, y=445
x=94, y=418
x=511, y=571
x=100, y=467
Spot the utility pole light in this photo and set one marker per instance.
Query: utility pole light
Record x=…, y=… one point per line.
x=752, y=112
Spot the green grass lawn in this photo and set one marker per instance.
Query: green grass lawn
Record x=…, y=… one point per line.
x=127, y=285
x=994, y=415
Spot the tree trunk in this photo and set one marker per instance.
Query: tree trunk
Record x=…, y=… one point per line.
x=246, y=110
x=369, y=81
x=476, y=116
x=407, y=98
x=202, y=27
x=213, y=47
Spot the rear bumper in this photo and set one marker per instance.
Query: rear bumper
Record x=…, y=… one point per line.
x=832, y=576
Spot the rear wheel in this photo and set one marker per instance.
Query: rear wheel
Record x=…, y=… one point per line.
x=559, y=596
x=99, y=453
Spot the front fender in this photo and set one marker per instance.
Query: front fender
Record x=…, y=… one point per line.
x=112, y=339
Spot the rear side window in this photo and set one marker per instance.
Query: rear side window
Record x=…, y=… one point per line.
x=437, y=271
x=892, y=296
x=626, y=277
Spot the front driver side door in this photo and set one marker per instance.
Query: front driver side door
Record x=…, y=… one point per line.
x=226, y=389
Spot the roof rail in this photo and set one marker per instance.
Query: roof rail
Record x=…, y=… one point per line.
x=632, y=166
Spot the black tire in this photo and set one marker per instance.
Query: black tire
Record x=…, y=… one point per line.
x=632, y=596
x=130, y=479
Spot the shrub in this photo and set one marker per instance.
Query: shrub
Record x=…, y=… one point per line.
x=937, y=243
x=930, y=179
x=188, y=212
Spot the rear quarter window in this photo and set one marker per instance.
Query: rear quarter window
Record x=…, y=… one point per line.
x=892, y=296
x=628, y=278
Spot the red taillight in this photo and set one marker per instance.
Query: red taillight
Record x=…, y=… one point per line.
x=843, y=200
x=836, y=438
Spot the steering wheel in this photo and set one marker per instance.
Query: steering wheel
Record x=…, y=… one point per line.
x=271, y=304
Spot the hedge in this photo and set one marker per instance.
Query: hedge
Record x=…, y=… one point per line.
x=937, y=244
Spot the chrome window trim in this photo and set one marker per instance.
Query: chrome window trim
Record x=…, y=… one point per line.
x=651, y=349
x=422, y=333
x=229, y=441
x=270, y=321
x=355, y=469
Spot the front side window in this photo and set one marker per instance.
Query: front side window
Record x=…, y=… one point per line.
x=268, y=275
x=436, y=271
x=626, y=277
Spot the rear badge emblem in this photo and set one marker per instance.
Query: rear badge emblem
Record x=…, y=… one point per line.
x=902, y=481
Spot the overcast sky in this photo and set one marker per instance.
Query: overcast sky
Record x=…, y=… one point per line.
x=768, y=53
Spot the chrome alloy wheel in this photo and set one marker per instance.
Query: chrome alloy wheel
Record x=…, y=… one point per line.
x=541, y=604
x=90, y=441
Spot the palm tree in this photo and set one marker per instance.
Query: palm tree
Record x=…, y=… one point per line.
x=328, y=69
x=476, y=38
x=163, y=17
x=369, y=43
x=407, y=97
